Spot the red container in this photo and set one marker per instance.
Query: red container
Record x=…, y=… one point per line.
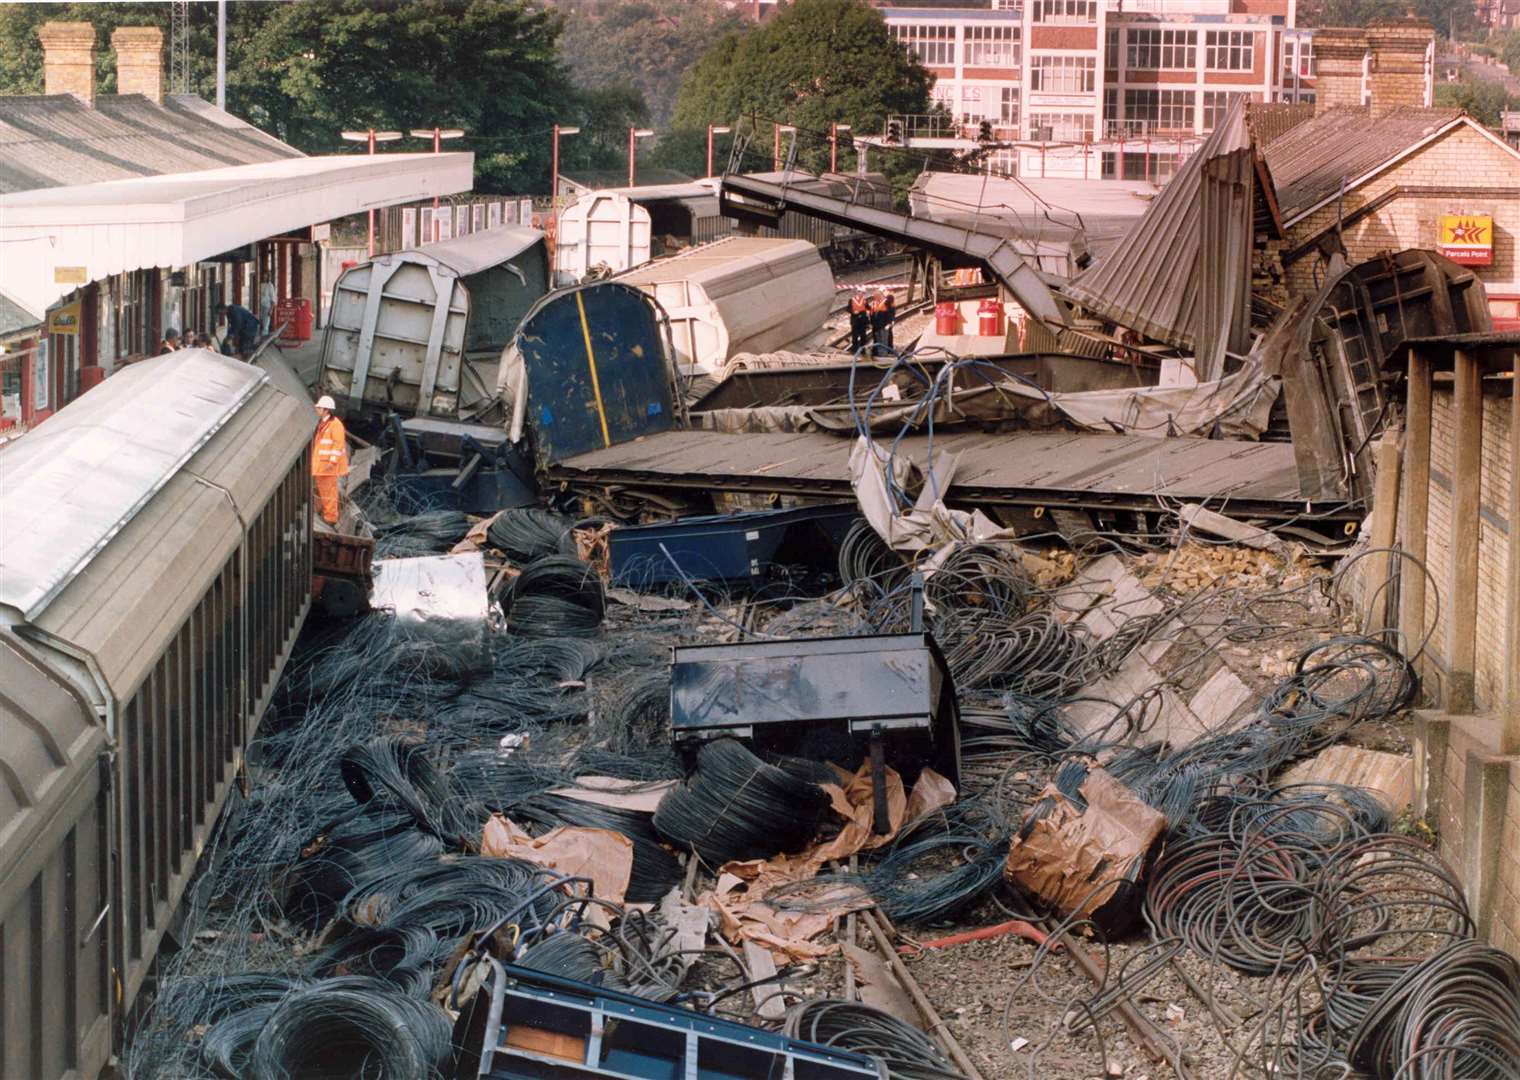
x=295, y=313
x=989, y=319
x=947, y=318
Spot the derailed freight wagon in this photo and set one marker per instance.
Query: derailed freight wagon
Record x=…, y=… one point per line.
x=155, y=568
x=740, y=294
x=420, y=332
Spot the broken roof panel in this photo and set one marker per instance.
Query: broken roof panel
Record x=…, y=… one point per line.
x=1311, y=161
x=56, y=140
x=1182, y=275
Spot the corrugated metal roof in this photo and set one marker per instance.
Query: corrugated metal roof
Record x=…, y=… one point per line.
x=1182, y=274
x=1310, y=162
x=1271, y=120
x=14, y=316
x=612, y=179
x=1040, y=210
x=70, y=486
x=478, y=251
x=56, y=140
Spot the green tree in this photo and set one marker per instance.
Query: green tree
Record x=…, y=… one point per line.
x=815, y=62
x=307, y=70
x=1482, y=100
x=1444, y=15
x=644, y=44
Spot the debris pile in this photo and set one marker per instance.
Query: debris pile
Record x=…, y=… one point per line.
x=412, y=830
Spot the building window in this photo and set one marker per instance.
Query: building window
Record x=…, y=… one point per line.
x=1216, y=105
x=1298, y=59
x=971, y=104
x=1111, y=48
x=1110, y=105
x=1007, y=5
x=943, y=97
x=1149, y=112
x=1008, y=111
x=932, y=43
x=1230, y=50
x=1063, y=74
x=1061, y=127
x=1065, y=12
x=992, y=46
x=1168, y=50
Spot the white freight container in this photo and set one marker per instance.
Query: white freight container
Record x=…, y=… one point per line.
x=600, y=229
x=420, y=332
x=742, y=294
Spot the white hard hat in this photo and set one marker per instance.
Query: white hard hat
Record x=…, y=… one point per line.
x=326, y=402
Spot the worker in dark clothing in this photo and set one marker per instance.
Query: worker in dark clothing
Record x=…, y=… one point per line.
x=242, y=330
x=170, y=342
x=889, y=321
x=860, y=322
x=881, y=329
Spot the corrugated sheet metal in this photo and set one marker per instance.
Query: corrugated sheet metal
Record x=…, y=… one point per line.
x=14, y=317
x=70, y=486
x=1310, y=162
x=1182, y=275
x=56, y=140
x=1271, y=120
x=478, y=251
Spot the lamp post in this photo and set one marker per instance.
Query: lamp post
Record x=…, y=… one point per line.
x=634, y=135
x=776, y=153
x=371, y=136
x=559, y=132
x=834, y=130
x=713, y=129
x=437, y=134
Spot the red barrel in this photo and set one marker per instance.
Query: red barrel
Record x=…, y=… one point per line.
x=947, y=318
x=295, y=313
x=989, y=319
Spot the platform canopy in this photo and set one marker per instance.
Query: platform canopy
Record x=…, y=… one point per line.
x=55, y=239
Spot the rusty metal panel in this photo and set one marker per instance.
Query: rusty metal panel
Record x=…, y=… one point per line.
x=54, y=966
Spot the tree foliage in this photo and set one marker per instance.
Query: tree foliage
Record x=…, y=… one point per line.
x=644, y=44
x=307, y=70
x=1444, y=15
x=1483, y=100
x=815, y=62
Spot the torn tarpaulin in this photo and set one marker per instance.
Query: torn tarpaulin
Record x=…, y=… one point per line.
x=739, y=897
x=1080, y=860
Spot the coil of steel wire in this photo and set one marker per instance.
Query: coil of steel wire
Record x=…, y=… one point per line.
x=323, y=1032
x=735, y=806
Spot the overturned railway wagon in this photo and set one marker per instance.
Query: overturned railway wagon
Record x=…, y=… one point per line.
x=155, y=568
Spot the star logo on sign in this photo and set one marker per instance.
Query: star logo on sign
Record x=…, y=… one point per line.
x=1468, y=233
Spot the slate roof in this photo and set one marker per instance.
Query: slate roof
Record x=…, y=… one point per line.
x=14, y=317
x=55, y=140
x=1310, y=161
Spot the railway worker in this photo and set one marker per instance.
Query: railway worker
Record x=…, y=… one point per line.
x=170, y=343
x=242, y=330
x=860, y=321
x=881, y=328
x=889, y=321
x=329, y=459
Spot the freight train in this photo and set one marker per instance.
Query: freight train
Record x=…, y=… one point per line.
x=155, y=569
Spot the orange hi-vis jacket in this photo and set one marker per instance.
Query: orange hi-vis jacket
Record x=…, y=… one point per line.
x=857, y=305
x=329, y=449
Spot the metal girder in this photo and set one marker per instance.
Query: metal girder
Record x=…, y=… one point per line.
x=747, y=196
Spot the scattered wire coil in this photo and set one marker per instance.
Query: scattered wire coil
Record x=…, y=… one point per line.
x=323, y=1032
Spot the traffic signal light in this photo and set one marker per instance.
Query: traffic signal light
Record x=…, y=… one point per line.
x=894, y=131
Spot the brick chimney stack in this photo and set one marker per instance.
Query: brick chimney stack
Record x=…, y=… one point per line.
x=139, y=61
x=1339, y=52
x=68, y=59
x=1397, y=74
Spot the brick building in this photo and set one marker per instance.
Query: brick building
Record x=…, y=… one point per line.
x=1393, y=173
x=1130, y=87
